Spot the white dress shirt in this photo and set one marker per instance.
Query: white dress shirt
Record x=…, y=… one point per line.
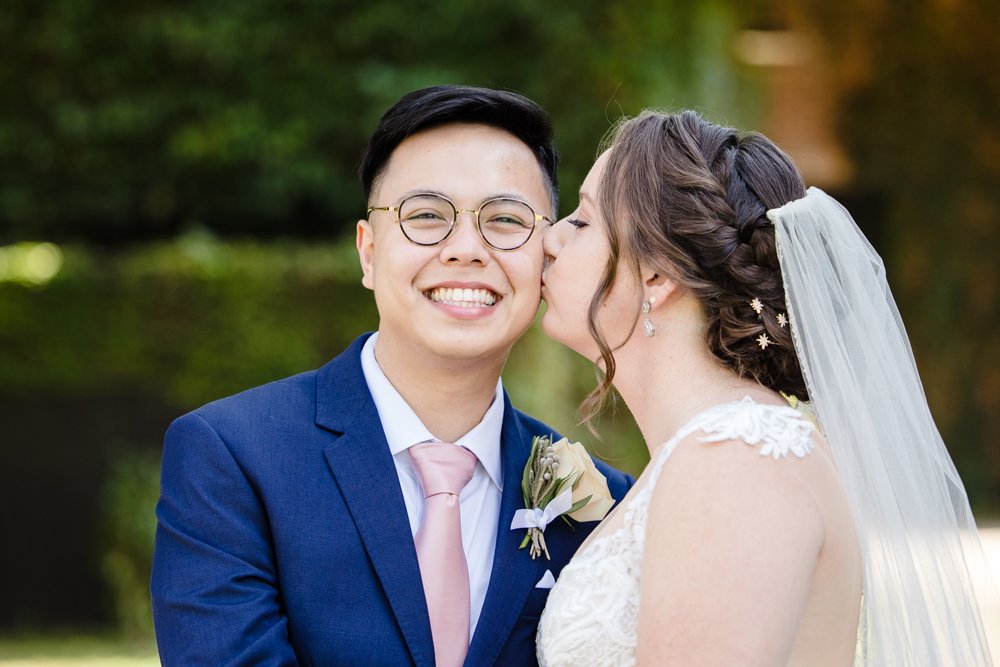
x=480, y=500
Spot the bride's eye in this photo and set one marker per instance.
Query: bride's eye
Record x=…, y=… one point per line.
x=579, y=224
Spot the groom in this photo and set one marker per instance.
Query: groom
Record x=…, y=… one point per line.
x=319, y=520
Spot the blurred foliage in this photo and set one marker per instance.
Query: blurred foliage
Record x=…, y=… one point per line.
x=921, y=90
x=128, y=504
x=76, y=651
x=193, y=319
x=132, y=120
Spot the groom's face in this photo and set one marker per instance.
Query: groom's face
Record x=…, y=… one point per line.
x=461, y=298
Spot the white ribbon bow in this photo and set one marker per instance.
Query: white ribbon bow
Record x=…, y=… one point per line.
x=539, y=518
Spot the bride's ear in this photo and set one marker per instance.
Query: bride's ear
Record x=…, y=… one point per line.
x=657, y=287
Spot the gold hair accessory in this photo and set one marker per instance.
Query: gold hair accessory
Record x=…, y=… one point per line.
x=763, y=341
x=782, y=320
x=756, y=305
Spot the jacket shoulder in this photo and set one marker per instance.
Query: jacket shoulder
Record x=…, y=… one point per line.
x=289, y=395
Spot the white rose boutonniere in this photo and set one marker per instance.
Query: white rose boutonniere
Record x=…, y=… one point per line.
x=559, y=480
x=591, y=486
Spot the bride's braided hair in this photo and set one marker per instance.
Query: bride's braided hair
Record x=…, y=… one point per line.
x=689, y=199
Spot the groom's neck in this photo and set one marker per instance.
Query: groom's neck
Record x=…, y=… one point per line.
x=449, y=395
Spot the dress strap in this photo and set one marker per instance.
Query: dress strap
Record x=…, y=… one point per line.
x=776, y=429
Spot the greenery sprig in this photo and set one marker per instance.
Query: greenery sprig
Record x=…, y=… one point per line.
x=540, y=484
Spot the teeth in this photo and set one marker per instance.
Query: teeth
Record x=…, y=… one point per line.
x=457, y=296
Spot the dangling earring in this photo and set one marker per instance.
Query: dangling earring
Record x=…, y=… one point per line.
x=647, y=324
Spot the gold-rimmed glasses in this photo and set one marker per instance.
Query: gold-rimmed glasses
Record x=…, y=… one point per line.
x=427, y=219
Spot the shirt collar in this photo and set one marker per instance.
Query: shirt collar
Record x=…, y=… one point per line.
x=403, y=427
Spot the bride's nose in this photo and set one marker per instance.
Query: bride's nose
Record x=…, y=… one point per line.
x=552, y=239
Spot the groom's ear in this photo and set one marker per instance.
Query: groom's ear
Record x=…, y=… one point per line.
x=366, y=253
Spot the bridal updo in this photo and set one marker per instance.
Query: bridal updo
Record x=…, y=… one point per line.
x=690, y=198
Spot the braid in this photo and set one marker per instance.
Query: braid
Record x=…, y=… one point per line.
x=763, y=178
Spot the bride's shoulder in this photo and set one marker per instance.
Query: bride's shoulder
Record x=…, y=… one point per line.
x=734, y=524
x=739, y=448
x=747, y=453
x=743, y=478
x=774, y=431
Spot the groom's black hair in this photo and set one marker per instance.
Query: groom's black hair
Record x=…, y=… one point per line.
x=441, y=105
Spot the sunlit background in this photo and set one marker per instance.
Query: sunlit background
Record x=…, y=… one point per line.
x=177, y=202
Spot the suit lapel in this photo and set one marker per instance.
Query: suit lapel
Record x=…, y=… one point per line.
x=514, y=573
x=366, y=475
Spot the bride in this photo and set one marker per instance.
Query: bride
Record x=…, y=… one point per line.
x=718, y=295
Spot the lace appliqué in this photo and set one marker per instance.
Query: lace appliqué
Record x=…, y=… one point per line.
x=779, y=430
x=592, y=612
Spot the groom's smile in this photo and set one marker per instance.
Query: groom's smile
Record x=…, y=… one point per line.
x=465, y=296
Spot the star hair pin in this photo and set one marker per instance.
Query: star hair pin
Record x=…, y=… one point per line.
x=763, y=341
x=782, y=320
x=757, y=306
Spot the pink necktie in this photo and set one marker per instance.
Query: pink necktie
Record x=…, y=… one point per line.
x=444, y=470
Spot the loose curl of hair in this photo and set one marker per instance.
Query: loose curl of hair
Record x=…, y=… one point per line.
x=689, y=199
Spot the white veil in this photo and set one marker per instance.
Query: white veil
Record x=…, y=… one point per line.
x=922, y=554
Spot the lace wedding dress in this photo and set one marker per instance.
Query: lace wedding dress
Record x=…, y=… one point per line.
x=593, y=610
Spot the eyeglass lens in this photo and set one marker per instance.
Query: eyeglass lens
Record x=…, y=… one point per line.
x=505, y=223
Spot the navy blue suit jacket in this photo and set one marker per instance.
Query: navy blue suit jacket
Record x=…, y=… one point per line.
x=283, y=538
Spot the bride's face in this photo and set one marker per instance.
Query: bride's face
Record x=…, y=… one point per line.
x=576, y=253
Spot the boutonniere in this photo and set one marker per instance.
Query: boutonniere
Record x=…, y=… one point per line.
x=559, y=479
